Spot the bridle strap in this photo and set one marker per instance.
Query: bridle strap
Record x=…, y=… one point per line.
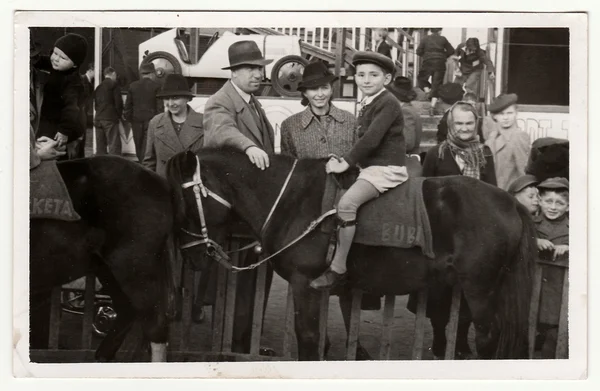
x=197, y=181
x=285, y=184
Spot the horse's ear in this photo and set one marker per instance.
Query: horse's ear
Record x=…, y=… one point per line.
x=189, y=166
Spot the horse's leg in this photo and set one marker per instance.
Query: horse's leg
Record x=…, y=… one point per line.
x=346, y=307
x=244, y=306
x=39, y=320
x=307, y=303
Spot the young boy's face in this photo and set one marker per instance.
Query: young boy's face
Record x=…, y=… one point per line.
x=554, y=204
x=371, y=79
x=507, y=117
x=530, y=198
x=60, y=61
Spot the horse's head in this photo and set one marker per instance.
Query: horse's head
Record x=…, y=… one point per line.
x=202, y=212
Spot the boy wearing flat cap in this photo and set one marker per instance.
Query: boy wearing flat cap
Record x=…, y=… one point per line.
x=553, y=244
x=509, y=145
x=380, y=152
x=525, y=191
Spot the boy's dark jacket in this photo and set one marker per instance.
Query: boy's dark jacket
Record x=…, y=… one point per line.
x=63, y=94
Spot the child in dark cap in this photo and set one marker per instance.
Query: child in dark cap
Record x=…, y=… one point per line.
x=525, y=191
x=553, y=242
x=380, y=152
x=60, y=117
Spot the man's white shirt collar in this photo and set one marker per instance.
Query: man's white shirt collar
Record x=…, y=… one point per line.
x=245, y=96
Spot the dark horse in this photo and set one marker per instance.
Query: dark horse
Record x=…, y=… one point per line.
x=483, y=239
x=123, y=236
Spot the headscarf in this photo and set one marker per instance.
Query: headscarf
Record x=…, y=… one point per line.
x=470, y=151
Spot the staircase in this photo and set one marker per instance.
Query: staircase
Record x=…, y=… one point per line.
x=430, y=123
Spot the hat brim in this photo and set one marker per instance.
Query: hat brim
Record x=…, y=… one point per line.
x=523, y=185
x=167, y=94
x=316, y=82
x=553, y=186
x=261, y=63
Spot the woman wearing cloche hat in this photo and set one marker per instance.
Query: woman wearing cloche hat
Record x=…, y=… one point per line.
x=321, y=129
x=176, y=130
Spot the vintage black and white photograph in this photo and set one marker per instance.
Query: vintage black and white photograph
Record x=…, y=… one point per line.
x=206, y=190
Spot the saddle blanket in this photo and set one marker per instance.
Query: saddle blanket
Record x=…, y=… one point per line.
x=397, y=218
x=48, y=194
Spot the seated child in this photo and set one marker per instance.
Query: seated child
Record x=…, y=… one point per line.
x=525, y=191
x=553, y=243
x=380, y=152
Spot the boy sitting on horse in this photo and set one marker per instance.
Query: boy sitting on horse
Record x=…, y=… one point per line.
x=380, y=153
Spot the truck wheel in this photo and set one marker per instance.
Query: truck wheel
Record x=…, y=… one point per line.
x=287, y=74
x=164, y=63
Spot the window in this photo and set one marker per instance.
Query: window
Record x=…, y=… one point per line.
x=538, y=65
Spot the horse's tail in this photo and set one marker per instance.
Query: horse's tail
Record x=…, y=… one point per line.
x=514, y=293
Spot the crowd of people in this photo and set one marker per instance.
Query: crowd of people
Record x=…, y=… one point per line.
x=379, y=140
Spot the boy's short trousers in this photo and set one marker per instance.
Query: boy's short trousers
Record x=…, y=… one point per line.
x=384, y=178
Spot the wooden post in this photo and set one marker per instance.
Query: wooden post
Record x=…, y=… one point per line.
x=453, y=324
x=88, y=311
x=194, y=39
x=97, y=75
x=534, y=308
x=417, y=352
x=386, y=327
x=219, y=310
x=323, y=315
x=230, y=296
x=55, y=313
x=416, y=59
x=354, y=324
x=257, y=316
x=339, y=61
x=562, y=342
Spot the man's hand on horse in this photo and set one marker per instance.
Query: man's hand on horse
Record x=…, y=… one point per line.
x=336, y=166
x=258, y=157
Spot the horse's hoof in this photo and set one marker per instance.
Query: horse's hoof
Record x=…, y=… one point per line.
x=362, y=354
x=438, y=357
x=267, y=352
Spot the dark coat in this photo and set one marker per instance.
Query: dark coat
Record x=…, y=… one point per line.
x=141, y=104
x=229, y=122
x=60, y=110
x=385, y=49
x=413, y=127
x=107, y=98
x=434, y=166
x=163, y=142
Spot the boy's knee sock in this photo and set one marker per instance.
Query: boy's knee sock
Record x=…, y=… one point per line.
x=345, y=237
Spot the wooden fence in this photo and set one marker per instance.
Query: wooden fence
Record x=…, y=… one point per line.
x=221, y=339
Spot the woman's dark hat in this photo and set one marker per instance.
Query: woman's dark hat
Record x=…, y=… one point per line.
x=175, y=85
x=315, y=74
x=451, y=93
x=402, y=89
x=73, y=45
x=382, y=60
x=521, y=183
x=502, y=102
x=245, y=53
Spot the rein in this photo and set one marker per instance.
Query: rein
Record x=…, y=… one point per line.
x=215, y=250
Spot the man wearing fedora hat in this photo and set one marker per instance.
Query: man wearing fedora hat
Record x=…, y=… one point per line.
x=141, y=106
x=178, y=129
x=233, y=116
